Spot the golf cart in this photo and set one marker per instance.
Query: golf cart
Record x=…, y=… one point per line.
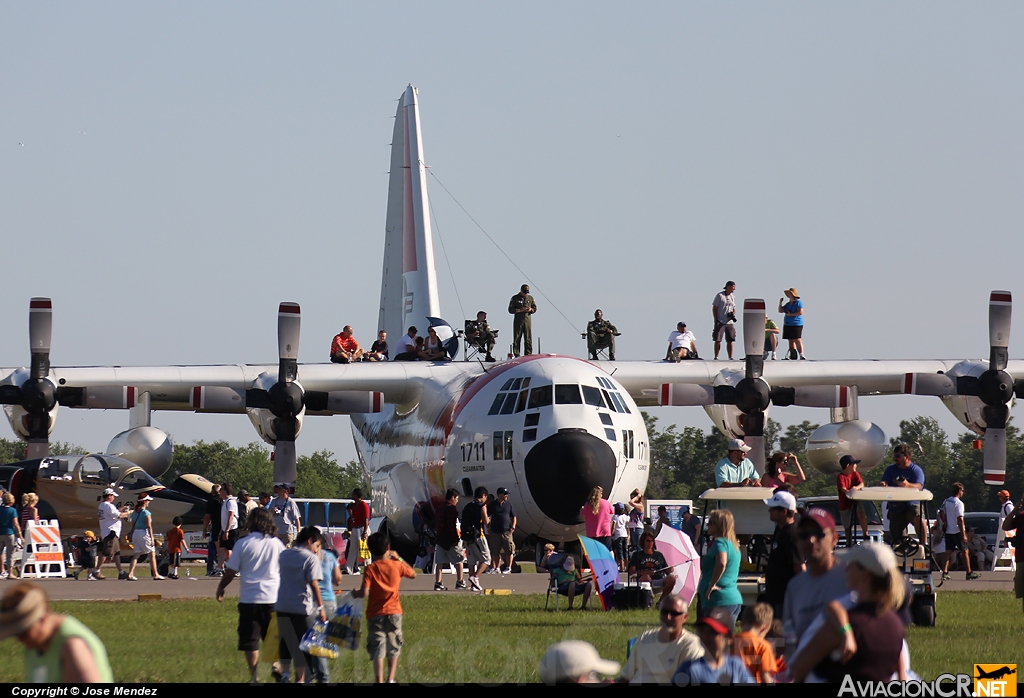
x=913, y=555
x=753, y=526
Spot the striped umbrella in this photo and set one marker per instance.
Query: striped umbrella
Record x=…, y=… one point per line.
x=606, y=570
x=682, y=557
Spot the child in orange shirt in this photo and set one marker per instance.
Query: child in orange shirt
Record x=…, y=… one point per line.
x=750, y=646
x=381, y=580
x=175, y=542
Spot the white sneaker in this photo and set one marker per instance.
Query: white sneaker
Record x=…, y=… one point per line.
x=474, y=583
x=773, y=356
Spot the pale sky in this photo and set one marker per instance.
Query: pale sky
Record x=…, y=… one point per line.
x=186, y=167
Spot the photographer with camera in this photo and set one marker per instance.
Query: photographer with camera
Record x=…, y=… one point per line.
x=723, y=310
x=904, y=473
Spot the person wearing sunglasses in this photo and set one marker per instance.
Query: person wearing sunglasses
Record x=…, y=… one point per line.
x=655, y=655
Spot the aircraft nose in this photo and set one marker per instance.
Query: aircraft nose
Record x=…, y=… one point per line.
x=562, y=470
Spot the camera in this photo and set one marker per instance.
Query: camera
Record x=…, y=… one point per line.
x=731, y=315
x=900, y=478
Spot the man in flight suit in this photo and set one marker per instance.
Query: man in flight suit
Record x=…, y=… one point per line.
x=601, y=334
x=480, y=334
x=521, y=307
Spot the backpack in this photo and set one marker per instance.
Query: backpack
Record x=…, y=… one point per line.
x=471, y=520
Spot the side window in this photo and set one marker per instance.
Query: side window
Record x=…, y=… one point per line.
x=540, y=397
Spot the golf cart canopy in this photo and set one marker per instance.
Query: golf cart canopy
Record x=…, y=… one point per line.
x=741, y=494
x=888, y=494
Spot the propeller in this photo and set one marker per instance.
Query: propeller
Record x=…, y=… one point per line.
x=284, y=399
x=37, y=395
x=994, y=387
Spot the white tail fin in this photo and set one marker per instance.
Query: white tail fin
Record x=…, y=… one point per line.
x=408, y=290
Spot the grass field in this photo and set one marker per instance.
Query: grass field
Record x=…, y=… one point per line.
x=468, y=638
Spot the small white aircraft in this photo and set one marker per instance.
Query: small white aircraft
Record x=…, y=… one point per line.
x=547, y=427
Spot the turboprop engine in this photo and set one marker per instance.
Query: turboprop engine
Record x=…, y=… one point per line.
x=858, y=438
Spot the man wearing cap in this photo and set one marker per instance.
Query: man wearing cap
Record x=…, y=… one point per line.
x=502, y=530
x=824, y=580
x=1005, y=505
x=522, y=307
x=681, y=344
x=574, y=661
x=58, y=649
x=848, y=481
x=736, y=470
x=784, y=560
x=723, y=311
x=717, y=666
x=286, y=515
x=908, y=474
x=110, y=532
x=793, y=324
x=246, y=505
x=656, y=654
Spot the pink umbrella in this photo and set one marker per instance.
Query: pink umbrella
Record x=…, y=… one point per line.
x=682, y=557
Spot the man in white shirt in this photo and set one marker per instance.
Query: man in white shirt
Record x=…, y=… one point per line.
x=955, y=532
x=406, y=348
x=110, y=532
x=255, y=559
x=681, y=344
x=723, y=310
x=228, y=524
x=657, y=654
x=1005, y=509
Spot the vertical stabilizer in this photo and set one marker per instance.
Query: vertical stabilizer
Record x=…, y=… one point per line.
x=408, y=292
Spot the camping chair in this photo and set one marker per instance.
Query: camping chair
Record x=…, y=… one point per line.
x=554, y=562
x=473, y=346
x=1003, y=551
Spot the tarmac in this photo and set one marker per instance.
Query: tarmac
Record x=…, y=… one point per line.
x=199, y=586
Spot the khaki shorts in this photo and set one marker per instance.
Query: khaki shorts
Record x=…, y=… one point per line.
x=384, y=636
x=451, y=556
x=478, y=553
x=501, y=544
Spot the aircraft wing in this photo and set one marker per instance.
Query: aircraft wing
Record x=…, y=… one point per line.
x=644, y=379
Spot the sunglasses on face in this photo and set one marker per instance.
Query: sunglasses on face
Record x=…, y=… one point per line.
x=672, y=615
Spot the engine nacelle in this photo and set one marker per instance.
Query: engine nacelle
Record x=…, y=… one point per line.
x=968, y=410
x=148, y=447
x=263, y=419
x=728, y=418
x=861, y=439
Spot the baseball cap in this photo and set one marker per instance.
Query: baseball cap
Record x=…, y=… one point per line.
x=876, y=558
x=502, y=490
x=1003, y=493
x=680, y=324
x=571, y=659
x=525, y=287
x=782, y=499
x=847, y=460
x=145, y=498
x=88, y=534
x=821, y=517
x=243, y=493
x=737, y=445
x=107, y=492
x=715, y=625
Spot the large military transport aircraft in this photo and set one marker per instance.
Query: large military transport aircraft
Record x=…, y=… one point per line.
x=548, y=427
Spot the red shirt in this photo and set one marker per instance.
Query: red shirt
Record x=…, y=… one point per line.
x=360, y=514
x=845, y=482
x=344, y=344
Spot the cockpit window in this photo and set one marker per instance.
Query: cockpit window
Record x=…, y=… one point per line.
x=93, y=471
x=137, y=480
x=592, y=396
x=496, y=405
x=508, y=384
x=540, y=397
x=510, y=403
x=521, y=405
x=568, y=394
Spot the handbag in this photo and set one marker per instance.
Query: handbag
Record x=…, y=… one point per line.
x=315, y=643
x=347, y=624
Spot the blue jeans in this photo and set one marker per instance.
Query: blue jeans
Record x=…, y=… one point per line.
x=733, y=611
x=211, y=555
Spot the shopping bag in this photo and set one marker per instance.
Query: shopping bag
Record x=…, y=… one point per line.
x=364, y=551
x=346, y=626
x=271, y=650
x=315, y=643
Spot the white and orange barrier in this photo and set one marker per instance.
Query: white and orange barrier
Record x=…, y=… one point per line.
x=43, y=557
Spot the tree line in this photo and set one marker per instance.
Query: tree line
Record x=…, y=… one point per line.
x=249, y=467
x=683, y=462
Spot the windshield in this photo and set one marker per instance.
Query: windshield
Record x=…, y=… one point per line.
x=137, y=480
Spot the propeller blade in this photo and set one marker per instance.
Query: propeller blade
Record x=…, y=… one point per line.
x=284, y=464
x=928, y=384
x=257, y=398
x=1000, y=304
x=725, y=395
x=753, y=336
x=289, y=319
x=686, y=395
x=10, y=395
x=40, y=328
x=994, y=456
x=995, y=443
x=753, y=436
x=834, y=396
x=968, y=385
